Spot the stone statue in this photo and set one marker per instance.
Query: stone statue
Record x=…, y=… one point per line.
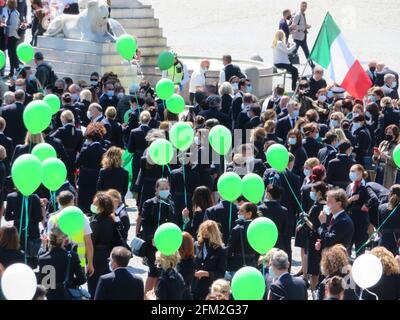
x=92, y=24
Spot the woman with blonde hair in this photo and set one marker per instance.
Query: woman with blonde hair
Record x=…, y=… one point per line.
x=112, y=175
x=86, y=98
x=281, y=52
x=226, y=93
x=115, y=136
x=221, y=286
x=31, y=140
x=210, y=259
x=388, y=287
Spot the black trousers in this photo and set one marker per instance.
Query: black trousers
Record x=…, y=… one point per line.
x=191, y=98
x=304, y=46
x=292, y=70
x=12, y=54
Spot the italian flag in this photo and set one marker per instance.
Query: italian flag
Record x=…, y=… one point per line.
x=331, y=52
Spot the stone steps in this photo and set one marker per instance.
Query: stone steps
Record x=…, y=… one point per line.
x=129, y=23
x=128, y=4
x=118, y=13
x=151, y=42
x=144, y=32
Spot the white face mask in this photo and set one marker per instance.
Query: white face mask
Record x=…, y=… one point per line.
x=164, y=194
x=322, y=99
x=89, y=115
x=235, y=86
x=197, y=140
x=93, y=209
x=120, y=95
x=292, y=141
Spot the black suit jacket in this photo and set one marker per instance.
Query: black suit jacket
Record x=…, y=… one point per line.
x=215, y=114
x=58, y=146
x=341, y=231
x=119, y=285
x=283, y=127
x=116, y=134
x=220, y=214
x=8, y=144
x=237, y=105
x=312, y=147
x=15, y=128
x=71, y=138
x=113, y=178
x=137, y=139
x=287, y=287
x=363, y=143
x=337, y=173
x=326, y=154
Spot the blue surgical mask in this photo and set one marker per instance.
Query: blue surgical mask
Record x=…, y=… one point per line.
x=241, y=217
x=271, y=272
x=249, y=89
x=292, y=141
x=120, y=95
x=394, y=84
x=249, y=114
x=235, y=86
x=307, y=172
x=334, y=123
x=295, y=113
x=31, y=77
x=330, y=95
x=326, y=210
x=94, y=83
x=93, y=209
x=317, y=135
x=322, y=99
x=355, y=127
x=372, y=98
x=75, y=97
x=110, y=93
x=164, y=194
x=337, y=145
x=353, y=176
x=313, y=196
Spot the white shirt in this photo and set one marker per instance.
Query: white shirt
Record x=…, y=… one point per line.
x=337, y=214
x=197, y=79
x=281, y=51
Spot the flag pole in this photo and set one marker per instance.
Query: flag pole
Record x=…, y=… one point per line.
x=308, y=60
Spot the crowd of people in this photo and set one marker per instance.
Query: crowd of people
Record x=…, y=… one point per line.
x=338, y=197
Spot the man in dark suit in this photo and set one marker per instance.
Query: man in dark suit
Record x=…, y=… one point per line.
x=328, y=152
x=272, y=209
x=237, y=101
x=120, y=284
x=337, y=173
x=225, y=215
x=7, y=143
x=108, y=98
x=67, y=104
x=310, y=143
x=254, y=116
x=287, y=123
x=214, y=111
x=96, y=115
x=137, y=144
x=362, y=138
x=285, y=286
x=13, y=113
x=339, y=229
x=381, y=71
x=390, y=115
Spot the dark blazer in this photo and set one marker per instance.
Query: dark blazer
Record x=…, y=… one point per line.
x=214, y=262
x=337, y=173
x=242, y=120
x=57, y=257
x=390, y=116
x=226, y=103
x=380, y=77
x=170, y=285
x=288, y=287
x=9, y=257
x=187, y=267
x=257, y=166
x=283, y=127
x=58, y=146
x=105, y=101
x=113, y=178
x=220, y=214
x=363, y=143
x=240, y=253
x=8, y=144
x=390, y=230
x=15, y=128
x=301, y=156
x=279, y=215
x=273, y=137
x=106, y=123
x=236, y=105
x=119, y=285
x=326, y=154
x=387, y=288
x=137, y=139
x=311, y=146
x=215, y=114
x=71, y=138
x=73, y=108
x=116, y=138
x=341, y=231
x=13, y=212
x=177, y=189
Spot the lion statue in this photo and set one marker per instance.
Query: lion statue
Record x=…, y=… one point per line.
x=92, y=24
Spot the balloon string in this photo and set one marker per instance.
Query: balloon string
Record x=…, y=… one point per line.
x=26, y=225
x=21, y=217
x=184, y=186
x=378, y=229
x=230, y=216
x=294, y=195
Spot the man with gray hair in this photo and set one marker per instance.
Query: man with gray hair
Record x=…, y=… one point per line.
x=214, y=111
x=8, y=98
x=389, y=88
x=285, y=286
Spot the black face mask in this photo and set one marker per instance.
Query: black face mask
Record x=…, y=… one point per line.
x=289, y=17
x=389, y=137
x=372, y=69
x=206, y=241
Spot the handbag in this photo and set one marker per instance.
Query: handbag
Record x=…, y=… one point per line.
x=138, y=246
x=73, y=293
x=294, y=58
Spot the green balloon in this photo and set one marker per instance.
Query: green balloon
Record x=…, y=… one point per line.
x=277, y=157
x=220, y=139
x=168, y=238
x=26, y=173
x=161, y=152
x=53, y=101
x=37, y=116
x=71, y=220
x=126, y=46
x=165, y=88
x=229, y=186
x=176, y=104
x=44, y=151
x=262, y=234
x=2, y=59
x=25, y=52
x=54, y=174
x=165, y=60
x=181, y=135
x=396, y=155
x=248, y=284
x=253, y=187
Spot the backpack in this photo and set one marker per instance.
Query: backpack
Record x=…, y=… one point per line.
x=52, y=76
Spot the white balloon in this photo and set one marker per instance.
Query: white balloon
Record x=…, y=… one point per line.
x=367, y=270
x=18, y=282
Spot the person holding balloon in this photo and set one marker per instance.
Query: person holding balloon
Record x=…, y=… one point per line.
x=89, y=163
x=65, y=265
x=210, y=259
x=240, y=253
x=155, y=212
